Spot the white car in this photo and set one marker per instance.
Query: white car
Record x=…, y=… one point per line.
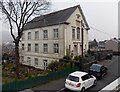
x=79, y=81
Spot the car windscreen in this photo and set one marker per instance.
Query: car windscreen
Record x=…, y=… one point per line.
x=95, y=68
x=73, y=78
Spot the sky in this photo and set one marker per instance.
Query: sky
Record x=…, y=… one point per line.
x=102, y=17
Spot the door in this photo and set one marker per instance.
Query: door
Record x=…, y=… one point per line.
x=45, y=64
x=86, y=81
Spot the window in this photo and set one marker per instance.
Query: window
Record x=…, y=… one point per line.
x=28, y=60
x=36, y=35
x=29, y=35
x=85, y=77
x=73, y=33
x=23, y=46
x=22, y=59
x=45, y=34
x=55, y=33
x=36, y=47
x=29, y=47
x=56, y=48
x=73, y=78
x=78, y=16
x=45, y=46
x=36, y=61
x=45, y=64
x=78, y=33
x=23, y=36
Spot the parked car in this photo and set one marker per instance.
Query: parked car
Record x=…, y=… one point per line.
x=109, y=56
x=79, y=81
x=99, y=71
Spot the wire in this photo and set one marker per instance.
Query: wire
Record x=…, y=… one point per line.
x=101, y=31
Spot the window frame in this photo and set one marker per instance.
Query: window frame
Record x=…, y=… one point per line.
x=56, y=47
x=36, y=48
x=55, y=33
x=45, y=48
x=45, y=34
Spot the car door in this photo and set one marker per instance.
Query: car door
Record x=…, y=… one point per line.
x=86, y=81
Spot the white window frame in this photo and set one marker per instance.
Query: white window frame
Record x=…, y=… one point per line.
x=36, y=35
x=29, y=35
x=78, y=33
x=29, y=47
x=45, y=63
x=45, y=48
x=56, y=47
x=55, y=33
x=45, y=34
x=23, y=46
x=36, y=47
x=36, y=62
x=73, y=33
x=29, y=61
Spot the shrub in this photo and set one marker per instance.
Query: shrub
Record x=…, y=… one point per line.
x=53, y=66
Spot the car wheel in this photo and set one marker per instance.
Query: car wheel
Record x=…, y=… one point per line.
x=95, y=83
x=82, y=90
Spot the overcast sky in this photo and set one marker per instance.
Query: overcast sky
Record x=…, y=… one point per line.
x=101, y=15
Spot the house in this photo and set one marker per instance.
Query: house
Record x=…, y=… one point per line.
x=113, y=44
x=48, y=37
x=101, y=45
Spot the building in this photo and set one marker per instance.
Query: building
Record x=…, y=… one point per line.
x=112, y=44
x=101, y=45
x=48, y=37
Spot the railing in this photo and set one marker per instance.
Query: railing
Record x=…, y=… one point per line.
x=19, y=85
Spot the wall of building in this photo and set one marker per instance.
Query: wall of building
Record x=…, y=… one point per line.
x=111, y=45
x=73, y=24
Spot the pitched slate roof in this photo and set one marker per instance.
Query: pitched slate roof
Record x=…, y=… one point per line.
x=55, y=18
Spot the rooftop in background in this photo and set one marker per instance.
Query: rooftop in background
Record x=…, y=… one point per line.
x=54, y=18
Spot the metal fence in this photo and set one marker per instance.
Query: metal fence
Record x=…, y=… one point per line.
x=19, y=85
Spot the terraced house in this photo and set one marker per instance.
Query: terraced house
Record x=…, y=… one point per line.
x=48, y=37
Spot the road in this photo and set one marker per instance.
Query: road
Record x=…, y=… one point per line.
x=113, y=74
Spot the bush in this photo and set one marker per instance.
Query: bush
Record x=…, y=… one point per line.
x=53, y=66
x=77, y=58
x=90, y=52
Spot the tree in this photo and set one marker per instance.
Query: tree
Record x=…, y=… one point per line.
x=18, y=13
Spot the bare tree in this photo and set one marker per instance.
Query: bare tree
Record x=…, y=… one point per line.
x=18, y=13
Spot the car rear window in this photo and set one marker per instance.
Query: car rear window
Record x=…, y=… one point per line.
x=95, y=68
x=73, y=78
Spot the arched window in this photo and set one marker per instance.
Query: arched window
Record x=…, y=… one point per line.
x=78, y=33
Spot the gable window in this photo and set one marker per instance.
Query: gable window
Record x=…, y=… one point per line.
x=45, y=48
x=55, y=33
x=23, y=46
x=78, y=33
x=45, y=34
x=29, y=47
x=36, y=35
x=36, y=61
x=36, y=47
x=56, y=48
x=73, y=33
x=29, y=35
